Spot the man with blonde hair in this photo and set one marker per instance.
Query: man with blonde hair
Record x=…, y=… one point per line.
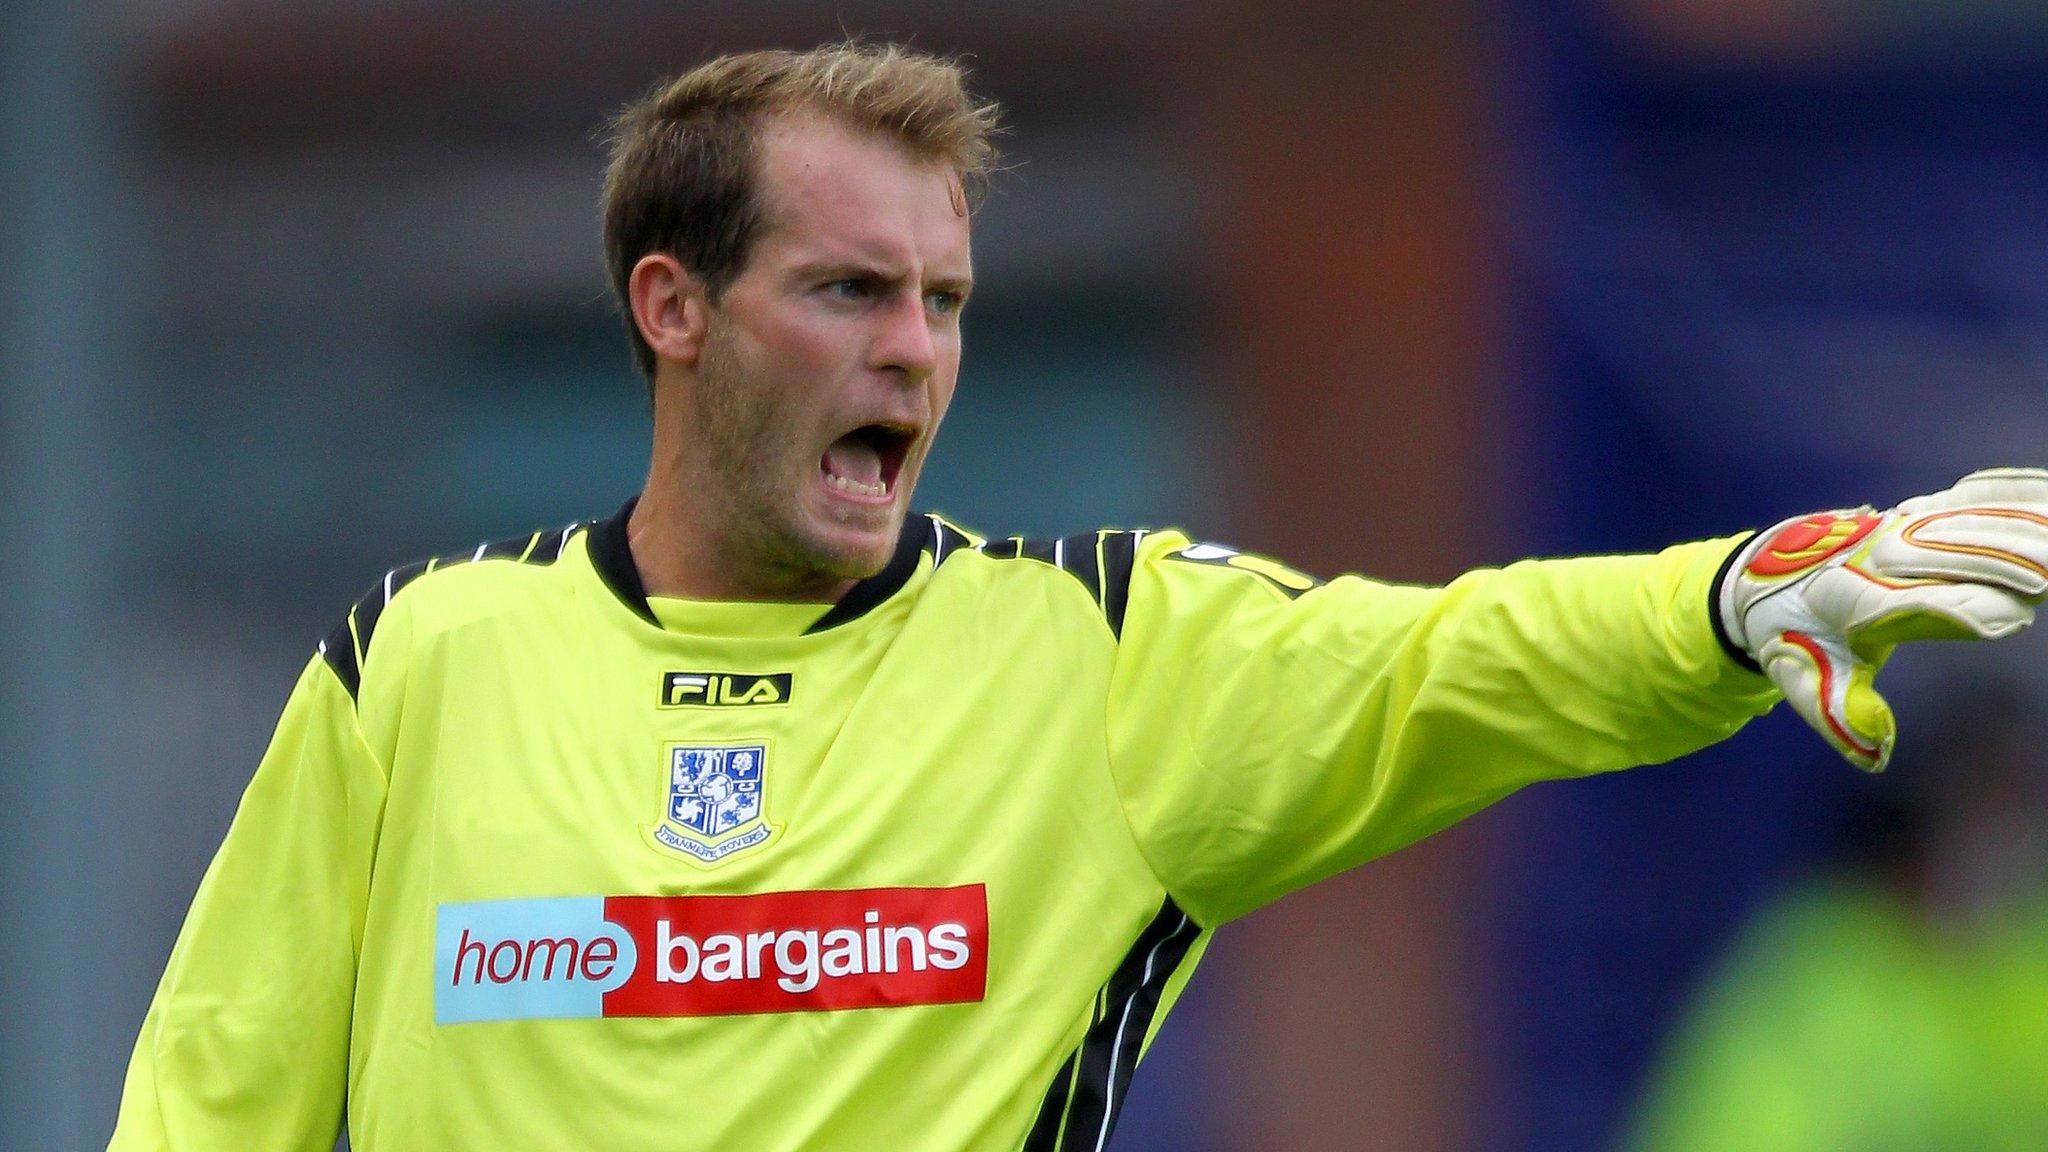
x=762, y=814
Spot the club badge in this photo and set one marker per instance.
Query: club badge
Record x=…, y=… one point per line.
x=713, y=801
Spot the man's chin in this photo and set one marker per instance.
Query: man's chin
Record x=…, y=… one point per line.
x=855, y=548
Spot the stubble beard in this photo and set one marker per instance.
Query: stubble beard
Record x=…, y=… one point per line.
x=756, y=459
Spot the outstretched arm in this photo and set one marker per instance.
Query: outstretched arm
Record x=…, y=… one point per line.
x=1265, y=736
x=1266, y=731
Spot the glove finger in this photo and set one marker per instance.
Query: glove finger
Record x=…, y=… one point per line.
x=1988, y=486
x=1876, y=615
x=1835, y=694
x=2002, y=546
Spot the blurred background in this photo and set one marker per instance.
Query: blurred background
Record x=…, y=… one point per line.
x=296, y=290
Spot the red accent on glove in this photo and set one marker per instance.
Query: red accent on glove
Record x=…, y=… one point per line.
x=1808, y=542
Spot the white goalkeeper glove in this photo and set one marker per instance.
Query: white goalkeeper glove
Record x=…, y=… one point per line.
x=1819, y=602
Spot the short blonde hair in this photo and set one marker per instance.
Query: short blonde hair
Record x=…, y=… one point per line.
x=682, y=177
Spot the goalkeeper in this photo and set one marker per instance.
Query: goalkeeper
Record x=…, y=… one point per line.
x=762, y=814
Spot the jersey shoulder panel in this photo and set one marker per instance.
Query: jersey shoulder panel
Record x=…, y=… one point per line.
x=1101, y=561
x=1175, y=552
x=346, y=648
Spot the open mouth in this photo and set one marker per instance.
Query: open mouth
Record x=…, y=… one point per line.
x=865, y=462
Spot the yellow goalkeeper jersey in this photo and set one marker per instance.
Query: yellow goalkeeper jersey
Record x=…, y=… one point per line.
x=535, y=861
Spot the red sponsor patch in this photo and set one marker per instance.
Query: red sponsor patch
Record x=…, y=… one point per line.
x=801, y=951
x=1805, y=543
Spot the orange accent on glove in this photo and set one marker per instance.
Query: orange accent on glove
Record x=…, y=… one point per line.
x=1805, y=543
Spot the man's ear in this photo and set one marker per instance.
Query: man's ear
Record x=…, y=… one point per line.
x=669, y=307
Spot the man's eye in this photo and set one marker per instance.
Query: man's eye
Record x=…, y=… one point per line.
x=943, y=303
x=851, y=288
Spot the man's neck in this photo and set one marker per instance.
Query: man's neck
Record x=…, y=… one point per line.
x=678, y=553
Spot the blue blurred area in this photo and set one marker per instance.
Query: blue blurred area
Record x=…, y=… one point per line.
x=1747, y=281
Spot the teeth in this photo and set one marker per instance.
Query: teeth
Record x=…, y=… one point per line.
x=856, y=487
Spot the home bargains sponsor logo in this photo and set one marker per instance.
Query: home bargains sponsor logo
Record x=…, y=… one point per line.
x=709, y=955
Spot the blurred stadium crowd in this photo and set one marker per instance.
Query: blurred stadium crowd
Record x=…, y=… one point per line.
x=297, y=290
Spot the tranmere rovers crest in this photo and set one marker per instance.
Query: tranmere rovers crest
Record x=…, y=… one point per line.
x=713, y=806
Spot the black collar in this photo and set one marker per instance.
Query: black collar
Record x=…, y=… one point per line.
x=612, y=556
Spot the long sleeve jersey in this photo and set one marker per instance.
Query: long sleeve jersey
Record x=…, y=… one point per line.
x=537, y=861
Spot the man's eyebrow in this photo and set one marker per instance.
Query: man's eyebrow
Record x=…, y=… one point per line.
x=857, y=268
x=844, y=268
x=852, y=266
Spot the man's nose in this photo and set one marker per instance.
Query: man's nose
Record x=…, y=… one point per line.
x=905, y=343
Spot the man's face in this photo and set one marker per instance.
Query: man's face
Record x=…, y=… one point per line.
x=828, y=363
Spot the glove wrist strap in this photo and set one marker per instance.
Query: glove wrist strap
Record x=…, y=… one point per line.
x=1718, y=599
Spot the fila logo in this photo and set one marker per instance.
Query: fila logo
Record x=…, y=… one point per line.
x=724, y=689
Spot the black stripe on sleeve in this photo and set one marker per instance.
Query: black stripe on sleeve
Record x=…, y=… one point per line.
x=1008, y=548
x=338, y=648
x=547, y=548
x=368, y=609
x=1043, y=551
x=1080, y=1107
x=1101, y=561
x=1081, y=555
x=511, y=548
x=1119, y=560
x=346, y=648
x=946, y=540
